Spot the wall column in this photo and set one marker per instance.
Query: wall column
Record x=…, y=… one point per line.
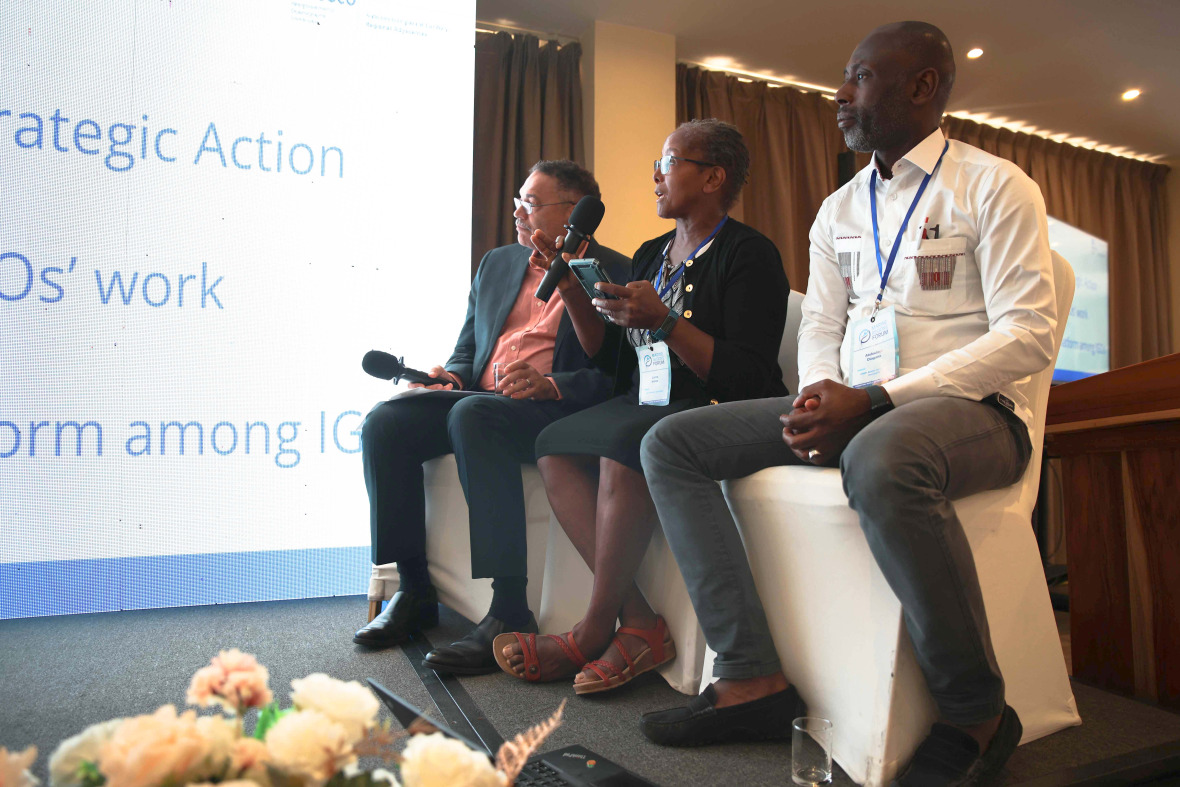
x=629, y=99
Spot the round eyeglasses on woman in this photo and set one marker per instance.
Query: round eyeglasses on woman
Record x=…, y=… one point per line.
x=530, y=207
x=664, y=164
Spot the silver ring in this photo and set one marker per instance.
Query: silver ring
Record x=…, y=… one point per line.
x=813, y=453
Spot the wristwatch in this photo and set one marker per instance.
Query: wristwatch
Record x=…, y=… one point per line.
x=879, y=402
x=661, y=333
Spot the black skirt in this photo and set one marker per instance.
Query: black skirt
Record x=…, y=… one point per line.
x=613, y=429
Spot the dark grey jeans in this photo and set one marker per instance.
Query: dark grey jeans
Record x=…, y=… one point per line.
x=900, y=473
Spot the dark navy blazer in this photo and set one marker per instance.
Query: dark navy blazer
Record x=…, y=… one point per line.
x=493, y=292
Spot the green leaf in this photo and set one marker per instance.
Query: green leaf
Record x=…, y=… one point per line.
x=90, y=776
x=267, y=718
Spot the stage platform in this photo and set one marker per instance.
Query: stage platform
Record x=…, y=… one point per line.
x=60, y=674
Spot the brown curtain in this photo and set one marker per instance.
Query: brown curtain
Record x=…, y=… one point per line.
x=1120, y=200
x=528, y=106
x=794, y=143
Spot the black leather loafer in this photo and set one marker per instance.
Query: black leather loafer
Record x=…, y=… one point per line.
x=405, y=613
x=473, y=655
x=700, y=723
x=950, y=757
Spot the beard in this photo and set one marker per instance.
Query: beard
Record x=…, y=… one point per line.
x=860, y=137
x=879, y=127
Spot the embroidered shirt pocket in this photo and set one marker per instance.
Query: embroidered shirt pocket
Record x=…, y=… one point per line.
x=848, y=255
x=936, y=268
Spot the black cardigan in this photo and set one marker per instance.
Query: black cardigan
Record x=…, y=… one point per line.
x=739, y=297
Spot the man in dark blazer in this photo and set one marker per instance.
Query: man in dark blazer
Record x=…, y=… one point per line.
x=545, y=376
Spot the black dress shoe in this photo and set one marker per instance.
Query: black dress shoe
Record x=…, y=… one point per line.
x=473, y=655
x=406, y=612
x=950, y=757
x=700, y=723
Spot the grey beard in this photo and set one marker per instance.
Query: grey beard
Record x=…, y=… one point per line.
x=857, y=139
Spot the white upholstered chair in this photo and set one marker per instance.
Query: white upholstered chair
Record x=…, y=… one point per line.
x=838, y=627
x=448, y=544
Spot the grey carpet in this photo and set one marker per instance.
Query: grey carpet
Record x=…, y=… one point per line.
x=58, y=675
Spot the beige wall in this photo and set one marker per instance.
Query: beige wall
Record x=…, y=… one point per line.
x=1174, y=247
x=629, y=99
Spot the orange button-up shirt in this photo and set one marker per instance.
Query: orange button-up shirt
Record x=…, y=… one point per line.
x=530, y=330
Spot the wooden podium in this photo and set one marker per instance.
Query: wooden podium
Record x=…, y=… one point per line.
x=1118, y=437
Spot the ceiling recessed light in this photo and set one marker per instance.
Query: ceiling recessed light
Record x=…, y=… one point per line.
x=1131, y=95
x=974, y=53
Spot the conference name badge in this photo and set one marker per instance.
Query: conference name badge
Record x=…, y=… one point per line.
x=655, y=373
x=874, y=349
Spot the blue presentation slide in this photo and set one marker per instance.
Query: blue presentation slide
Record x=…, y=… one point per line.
x=211, y=211
x=1085, y=348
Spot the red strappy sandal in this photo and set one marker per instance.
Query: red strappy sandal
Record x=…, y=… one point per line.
x=660, y=650
x=528, y=647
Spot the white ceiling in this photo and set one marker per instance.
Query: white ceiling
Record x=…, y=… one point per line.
x=1058, y=65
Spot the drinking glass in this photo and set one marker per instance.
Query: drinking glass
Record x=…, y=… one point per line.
x=811, y=751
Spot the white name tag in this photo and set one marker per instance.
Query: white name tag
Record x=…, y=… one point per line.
x=874, y=349
x=655, y=374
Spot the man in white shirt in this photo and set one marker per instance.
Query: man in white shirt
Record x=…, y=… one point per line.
x=930, y=303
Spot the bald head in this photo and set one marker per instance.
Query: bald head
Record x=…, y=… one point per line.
x=915, y=47
x=896, y=87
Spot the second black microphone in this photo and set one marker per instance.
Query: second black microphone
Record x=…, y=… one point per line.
x=584, y=220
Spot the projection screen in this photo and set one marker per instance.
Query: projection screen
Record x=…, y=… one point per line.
x=210, y=211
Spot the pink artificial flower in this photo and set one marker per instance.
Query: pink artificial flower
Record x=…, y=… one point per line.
x=234, y=680
x=151, y=750
x=249, y=757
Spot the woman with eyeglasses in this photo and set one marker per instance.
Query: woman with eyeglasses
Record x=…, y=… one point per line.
x=700, y=322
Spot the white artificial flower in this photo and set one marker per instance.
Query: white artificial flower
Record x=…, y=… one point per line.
x=70, y=754
x=14, y=767
x=349, y=704
x=309, y=744
x=438, y=761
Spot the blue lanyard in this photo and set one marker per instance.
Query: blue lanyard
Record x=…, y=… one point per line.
x=887, y=268
x=680, y=271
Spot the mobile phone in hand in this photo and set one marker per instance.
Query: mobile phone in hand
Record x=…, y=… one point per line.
x=589, y=272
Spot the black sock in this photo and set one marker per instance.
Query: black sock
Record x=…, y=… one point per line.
x=415, y=578
x=509, y=602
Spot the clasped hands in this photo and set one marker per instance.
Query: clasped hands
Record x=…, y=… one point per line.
x=520, y=381
x=635, y=305
x=826, y=417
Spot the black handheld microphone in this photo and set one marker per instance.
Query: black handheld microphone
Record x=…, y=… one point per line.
x=390, y=367
x=584, y=220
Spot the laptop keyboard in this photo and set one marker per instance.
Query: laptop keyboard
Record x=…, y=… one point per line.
x=540, y=774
